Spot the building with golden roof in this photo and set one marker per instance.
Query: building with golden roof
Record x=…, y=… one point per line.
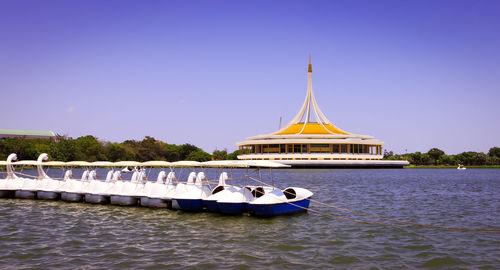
x=311, y=140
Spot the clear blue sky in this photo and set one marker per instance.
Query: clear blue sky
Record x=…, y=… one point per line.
x=415, y=74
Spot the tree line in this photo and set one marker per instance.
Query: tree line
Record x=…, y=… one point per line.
x=436, y=157
x=89, y=148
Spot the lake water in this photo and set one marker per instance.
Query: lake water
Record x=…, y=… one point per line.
x=52, y=234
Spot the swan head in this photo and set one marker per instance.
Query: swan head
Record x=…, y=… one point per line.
x=161, y=176
x=200, y=177
x=170, y=177
x=116, y=175
x=12, y=157
x=222, y=179
x=191, y=177
x=43, y=157
x=68, y=174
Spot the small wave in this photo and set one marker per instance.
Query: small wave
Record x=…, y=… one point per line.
x=443, y=261
x=288, y=247
x=418, y=247
x=344, y=259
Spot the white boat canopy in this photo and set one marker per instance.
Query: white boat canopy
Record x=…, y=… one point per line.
x=225, y=164
x=25, y=162
x=53, y=163
x=128, y=164
x=103, y=164
x=157, y=163
x=264, y=164
x=186, y=163
x=79, y=163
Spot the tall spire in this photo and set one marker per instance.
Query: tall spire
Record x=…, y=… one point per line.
x=310, y=69
x=310, y=109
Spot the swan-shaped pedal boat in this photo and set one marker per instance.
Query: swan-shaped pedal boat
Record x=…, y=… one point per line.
x=193, y=195
x=11, y=182
x=127, y=193
x=159, y=194
x=94, y=191
x=48, y=187
x=29, y=187
x=279, y=202
x=191, y=199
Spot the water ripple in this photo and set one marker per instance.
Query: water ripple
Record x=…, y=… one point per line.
x=46, y=234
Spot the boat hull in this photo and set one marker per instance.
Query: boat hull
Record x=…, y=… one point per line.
x=6, y=193
x=231, y=208
x=212, y=206
x=190, y=205
x=48, y=195
x=155, y=202
x=25, y=194
x=124, y=200
x=278, y=209
x=72, y=197
x=175, y=205
x=96, y=199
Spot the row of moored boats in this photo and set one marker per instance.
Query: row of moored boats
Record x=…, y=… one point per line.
x=132, y=187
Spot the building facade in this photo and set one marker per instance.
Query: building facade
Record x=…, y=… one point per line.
x=311, y=140
x=27, y=134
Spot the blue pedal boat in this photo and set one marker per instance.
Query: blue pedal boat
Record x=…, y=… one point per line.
x=280, y=202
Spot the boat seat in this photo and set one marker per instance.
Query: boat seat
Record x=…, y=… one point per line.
x=218, y=189
x=258, y=192
x=290, y=193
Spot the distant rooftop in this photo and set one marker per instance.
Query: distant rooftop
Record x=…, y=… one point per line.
x=13, y=133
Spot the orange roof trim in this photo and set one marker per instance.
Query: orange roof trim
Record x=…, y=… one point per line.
x=312, y=128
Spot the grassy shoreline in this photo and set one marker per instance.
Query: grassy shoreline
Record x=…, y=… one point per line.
x=451, y=167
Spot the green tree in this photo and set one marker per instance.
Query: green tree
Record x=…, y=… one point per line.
x=186, y=149
x=24, y=148
x=480, y=159
x=447, y=160
x=219, y=155
x=88, y=148
x=151, y=149
x=198, y=155
x=234, y=155
x=493, y=160
x=466, y=158
x=415, y=158
x=63, y=149
x=118, y=152
x=435, y=154
x=172, y=152
x=388, y=154
x=494, y=152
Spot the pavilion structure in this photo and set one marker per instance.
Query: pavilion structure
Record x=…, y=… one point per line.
x=311, y=140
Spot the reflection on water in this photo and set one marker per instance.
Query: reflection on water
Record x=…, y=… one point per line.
x=60, y=235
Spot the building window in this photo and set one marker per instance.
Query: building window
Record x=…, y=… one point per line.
x=296, y=148
x=320, y=148
x=343, y=148
x=356, y=148
x=270, y=148
x=304, y=148
x=335, y=148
